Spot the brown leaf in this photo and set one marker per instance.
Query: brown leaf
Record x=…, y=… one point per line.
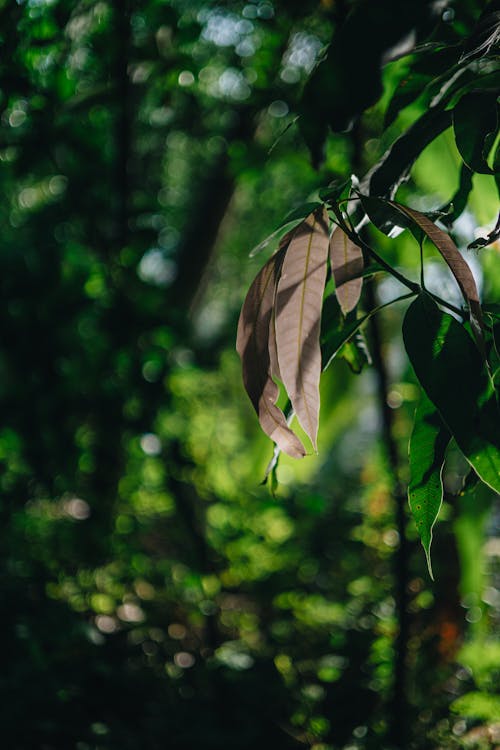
x=274, y=368
x=458, y=266
x=298, y=315
x=252, y=344
x=346, y=260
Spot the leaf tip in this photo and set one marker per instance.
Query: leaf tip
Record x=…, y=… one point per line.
x=427, y=550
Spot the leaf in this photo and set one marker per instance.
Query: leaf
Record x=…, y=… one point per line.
x=337, y=330
x=384, y=216
x=298, y=315
x=409, y=88
x=457, y=264
x=252, y=345
x=346, y=260
x=427, y=64
x=394, y=166
x=355, y=352
x=336, y=190
x=475, y=117
x=460, y=198
x=427, y=448
x=454, y=377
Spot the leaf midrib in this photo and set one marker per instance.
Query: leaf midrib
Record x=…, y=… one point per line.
x=301, y=316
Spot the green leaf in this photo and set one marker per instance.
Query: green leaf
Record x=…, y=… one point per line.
x=335, y=330
x=336, y=190
x=394, y=167
x=428, y=444
x=453, y=375
x=356, y=353
x=475, y=118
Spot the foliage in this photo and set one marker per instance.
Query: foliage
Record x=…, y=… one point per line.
x=154, y=593
x=455, y=374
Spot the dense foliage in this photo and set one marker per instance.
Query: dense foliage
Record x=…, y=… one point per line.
x=155, y=594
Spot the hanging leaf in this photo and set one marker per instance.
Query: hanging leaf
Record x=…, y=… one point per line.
x=427, y=448
x=475, y=117
x=252, y=344
x=458, y=266
x=298, y=316
x=274, y=368
x=454, y=377
x=346, y=260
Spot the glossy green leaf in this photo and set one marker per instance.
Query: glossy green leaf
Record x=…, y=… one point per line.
x=452, y=373
x=475, y=118
x=427, y=448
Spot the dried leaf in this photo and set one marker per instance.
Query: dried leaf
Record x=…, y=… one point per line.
x=298, y=317
x=458, y=266
x=252, y=344
x=346, y=260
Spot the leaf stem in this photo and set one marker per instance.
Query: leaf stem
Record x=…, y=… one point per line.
x=451, y=307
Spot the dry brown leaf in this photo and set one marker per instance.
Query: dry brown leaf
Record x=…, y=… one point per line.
x=458, y=265
x=252, y=344
x=346, y=260
x=298, y=316
x=274, y=368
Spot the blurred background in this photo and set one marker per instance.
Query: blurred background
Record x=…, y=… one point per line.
x=154, y=593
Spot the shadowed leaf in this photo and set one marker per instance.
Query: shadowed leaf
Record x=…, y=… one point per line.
x=298, y=316
x=252, y=344
x=475, y=117
x=454, y=377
